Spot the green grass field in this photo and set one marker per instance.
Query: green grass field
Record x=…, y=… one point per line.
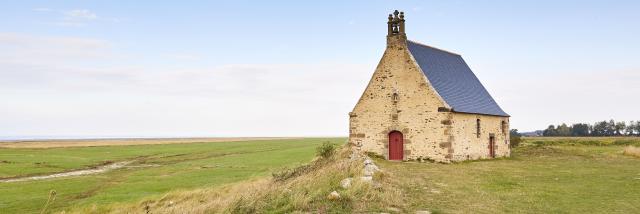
x=536, y=179
x=544, y=175
x=162, y=168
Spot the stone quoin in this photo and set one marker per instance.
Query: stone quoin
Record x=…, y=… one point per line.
x=424, y=103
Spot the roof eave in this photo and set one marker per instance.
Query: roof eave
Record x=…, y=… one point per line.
x=485, y=114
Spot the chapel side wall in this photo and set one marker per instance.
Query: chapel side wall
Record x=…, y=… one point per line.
x=468, y=146
x=415, y=113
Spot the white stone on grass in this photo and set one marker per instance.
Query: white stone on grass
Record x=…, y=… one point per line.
x=346, y=183
x=368, y=161
x=370, y=169
x=333, y=196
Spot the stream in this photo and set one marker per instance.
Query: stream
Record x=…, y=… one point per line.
x=97, y=170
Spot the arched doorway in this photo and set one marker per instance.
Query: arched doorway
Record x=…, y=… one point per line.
x=395, y=145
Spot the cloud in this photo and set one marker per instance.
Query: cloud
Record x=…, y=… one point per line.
x=536, y=101
x=76, y=17
x=82, y=14
x=20, y=48
x=79, y=82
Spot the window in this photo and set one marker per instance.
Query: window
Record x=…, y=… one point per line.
x=478, y=128
x=504, y=127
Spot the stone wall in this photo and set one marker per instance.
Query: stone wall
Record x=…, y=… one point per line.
x=399, y=97
x=468, y=145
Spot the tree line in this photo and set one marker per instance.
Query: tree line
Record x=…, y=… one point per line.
x=602, y=128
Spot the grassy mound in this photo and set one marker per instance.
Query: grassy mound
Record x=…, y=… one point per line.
x=300, y=189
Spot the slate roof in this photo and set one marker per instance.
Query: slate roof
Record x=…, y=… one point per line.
x=454, y=80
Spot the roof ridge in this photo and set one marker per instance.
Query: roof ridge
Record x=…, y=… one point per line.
x=428, y=46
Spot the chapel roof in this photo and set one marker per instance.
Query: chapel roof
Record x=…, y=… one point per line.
x=454, y=81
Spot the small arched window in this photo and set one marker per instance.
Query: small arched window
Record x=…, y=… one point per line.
x=395, y=97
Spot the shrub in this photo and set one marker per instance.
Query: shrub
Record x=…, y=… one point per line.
x=515, y=138
x=326, y=150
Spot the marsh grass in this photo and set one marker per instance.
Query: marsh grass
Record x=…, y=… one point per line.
x=632, y=151
x=50, y=200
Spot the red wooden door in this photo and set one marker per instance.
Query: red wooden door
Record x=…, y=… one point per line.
x=395, y=145
x=492, y=147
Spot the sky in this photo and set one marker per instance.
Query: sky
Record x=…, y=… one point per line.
x=296, y=68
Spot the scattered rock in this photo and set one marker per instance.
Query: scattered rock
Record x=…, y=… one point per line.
x=423, y=212
x=346, y=183
x=170, y=204
x=333, y=196
x=435, y=191
x=368, y=161
x=370, y=169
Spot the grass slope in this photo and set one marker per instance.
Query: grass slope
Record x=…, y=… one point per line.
x=163, y=168
x=303, y=188
x=569, y=178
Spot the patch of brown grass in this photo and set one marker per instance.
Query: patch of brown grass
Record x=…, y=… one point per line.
x=631, y=151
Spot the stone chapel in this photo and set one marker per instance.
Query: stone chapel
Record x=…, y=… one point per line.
x=425, y=103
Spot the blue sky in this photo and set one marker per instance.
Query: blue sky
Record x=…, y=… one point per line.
x=273, y=68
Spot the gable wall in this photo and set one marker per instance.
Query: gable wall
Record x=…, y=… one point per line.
x=426, y=131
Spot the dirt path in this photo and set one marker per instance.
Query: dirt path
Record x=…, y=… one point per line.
x=100, y=169
x=122, y=142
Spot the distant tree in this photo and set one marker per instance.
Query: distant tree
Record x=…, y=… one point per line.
x=630, y=128
x=563, y=130
x=602, y=128
x=611, y=128
x=550, y=131
x=599, y=129
x=619, y=127
x=580, y=129
x=514, y=137
x=636, y=127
